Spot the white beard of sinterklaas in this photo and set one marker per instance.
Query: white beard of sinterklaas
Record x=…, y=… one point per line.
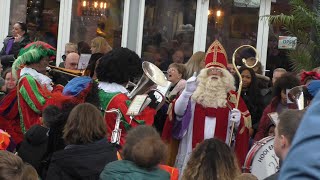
x=213, y=92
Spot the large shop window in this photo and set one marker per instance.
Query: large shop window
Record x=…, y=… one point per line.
x=233, y=23
x=97, y=18
x=277, y=58
x=168, y=27
x=41, y=16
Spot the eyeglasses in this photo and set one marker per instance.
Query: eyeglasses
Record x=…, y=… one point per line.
x=214, y=70
x=171, y=70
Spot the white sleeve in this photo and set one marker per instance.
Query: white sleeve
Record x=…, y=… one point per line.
x=182, y=103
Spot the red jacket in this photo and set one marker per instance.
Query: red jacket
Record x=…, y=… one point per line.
x=265, y=121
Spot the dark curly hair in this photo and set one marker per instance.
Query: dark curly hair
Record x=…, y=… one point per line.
x=212, y=159
x=119, y=65
x=286, y=81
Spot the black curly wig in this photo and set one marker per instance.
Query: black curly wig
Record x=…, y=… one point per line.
x=119, y=65
x=286, y=81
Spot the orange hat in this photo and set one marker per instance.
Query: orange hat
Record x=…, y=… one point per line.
x=4, y=140
x=216, y=56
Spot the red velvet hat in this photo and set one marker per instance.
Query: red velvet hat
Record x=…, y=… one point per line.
x=216, y=56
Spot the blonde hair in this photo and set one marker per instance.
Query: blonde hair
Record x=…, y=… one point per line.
x=101, y=44
x=73, y=46
x=193, y=65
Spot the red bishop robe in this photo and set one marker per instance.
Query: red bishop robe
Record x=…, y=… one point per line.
x=197, y=123
x=222, y=118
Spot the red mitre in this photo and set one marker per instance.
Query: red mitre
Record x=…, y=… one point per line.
x=216, y=56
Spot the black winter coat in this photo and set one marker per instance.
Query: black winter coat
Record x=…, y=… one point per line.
x=34, y=146
x=7, y=59
x=81, y=161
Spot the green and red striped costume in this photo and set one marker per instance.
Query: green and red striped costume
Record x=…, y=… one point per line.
x=31, y=100
x=121, y=101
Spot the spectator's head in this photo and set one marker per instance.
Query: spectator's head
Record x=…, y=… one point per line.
x=307, y=76
x=9, y=81
x=72, y=61
x=13, y=168
x=195, y=63
x=100, y=45
x=36, y=55
x=92, y=64
x=19, y=28
x=212, y=159
x=247, y=176
x=70, y=48
x=178, y=56
x=119, y=66
x=277, y=73
x=144, y=147
x=285, y=82
x=176, y=72
x=85, y=125
x=285, y=130
x=231, y=69
x=83, y=48
x=257, y=68
x=248, y=78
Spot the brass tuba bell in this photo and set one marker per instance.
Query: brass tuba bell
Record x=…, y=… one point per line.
x=298, y=96
x=152, y=76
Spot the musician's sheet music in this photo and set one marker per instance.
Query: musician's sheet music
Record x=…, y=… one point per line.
x=83, y=61
x=274, y=117
x=138, y=104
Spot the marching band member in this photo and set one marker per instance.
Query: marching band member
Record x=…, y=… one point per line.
x=34, y=87
x=114, y=71
x=206, y=109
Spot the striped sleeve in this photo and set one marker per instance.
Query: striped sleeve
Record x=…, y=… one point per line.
x=32, y=93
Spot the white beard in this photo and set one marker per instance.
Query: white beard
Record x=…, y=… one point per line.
x=213, y=92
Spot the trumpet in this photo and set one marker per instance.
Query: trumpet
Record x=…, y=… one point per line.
x=70, y=72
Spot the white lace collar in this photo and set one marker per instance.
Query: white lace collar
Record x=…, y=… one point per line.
x=112, y=87
x=42, y=79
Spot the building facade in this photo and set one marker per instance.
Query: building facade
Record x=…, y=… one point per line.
x=150, y=27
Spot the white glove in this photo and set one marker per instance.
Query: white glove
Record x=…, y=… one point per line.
x=192, y=83
x=235, y=116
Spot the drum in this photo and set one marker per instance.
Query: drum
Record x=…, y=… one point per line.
x=261, y=160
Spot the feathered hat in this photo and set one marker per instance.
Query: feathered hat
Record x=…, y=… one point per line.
x=4, y=140
x=32, y=53
x=78, y=87
x=216, y=56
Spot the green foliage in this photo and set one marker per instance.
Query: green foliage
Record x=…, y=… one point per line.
x=303, y=23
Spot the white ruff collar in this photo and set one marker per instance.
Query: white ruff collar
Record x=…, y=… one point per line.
x=112, y=87
x=44, y=80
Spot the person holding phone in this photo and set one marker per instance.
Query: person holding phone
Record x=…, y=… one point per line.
x=13, y=44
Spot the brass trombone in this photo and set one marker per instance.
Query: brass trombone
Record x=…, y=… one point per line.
x=70, y=72
x=244, y=61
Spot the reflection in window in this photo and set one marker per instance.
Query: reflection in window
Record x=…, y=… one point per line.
x=278, y=58
x=233, y=23
x=168, y=31
x=41, y=16
x=97, y=18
